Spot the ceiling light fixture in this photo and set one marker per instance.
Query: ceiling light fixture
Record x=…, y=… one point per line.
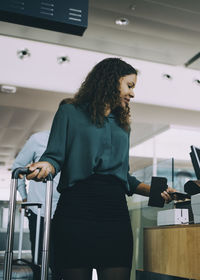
x=63, y=59
x=167, y=76
x=7, y=89
x=122, y=21
x=197, y=82
x=25, y=53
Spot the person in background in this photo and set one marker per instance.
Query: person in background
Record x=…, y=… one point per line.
x=31, y=152
x=89, y=144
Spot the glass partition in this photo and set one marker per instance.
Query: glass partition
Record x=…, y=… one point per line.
x=143, y=216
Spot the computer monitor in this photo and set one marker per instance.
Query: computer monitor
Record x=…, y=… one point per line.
x=195, y=158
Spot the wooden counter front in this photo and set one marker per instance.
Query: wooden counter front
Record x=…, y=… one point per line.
x=173, y=250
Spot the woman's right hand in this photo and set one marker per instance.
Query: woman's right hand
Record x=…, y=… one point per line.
x=40, y=170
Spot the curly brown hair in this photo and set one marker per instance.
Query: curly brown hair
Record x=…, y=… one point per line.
x=101, y=88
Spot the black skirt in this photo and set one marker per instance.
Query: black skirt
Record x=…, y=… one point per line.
x=91, y=225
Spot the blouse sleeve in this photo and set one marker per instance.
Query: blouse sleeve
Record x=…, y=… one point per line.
x=133, y=182
x=56, y=147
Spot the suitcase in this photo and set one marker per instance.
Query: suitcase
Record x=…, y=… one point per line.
x=22, y=268
x=23, y=207
x=23, y=272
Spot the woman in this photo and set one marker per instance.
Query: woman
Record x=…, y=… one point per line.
x=89, y=144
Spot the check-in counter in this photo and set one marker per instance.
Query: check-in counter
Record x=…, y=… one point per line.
x=173, y=250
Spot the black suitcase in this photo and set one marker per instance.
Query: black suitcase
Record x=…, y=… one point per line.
x=16, y=271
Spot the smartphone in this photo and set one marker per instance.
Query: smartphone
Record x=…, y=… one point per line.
x=158, y=185
x=179, y=196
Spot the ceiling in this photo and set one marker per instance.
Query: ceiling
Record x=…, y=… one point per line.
x=164, y=31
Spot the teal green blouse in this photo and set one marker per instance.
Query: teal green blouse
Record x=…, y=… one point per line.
x=78, y=148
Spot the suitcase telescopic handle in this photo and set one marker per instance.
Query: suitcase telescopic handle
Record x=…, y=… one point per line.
x=26, y=171
x=7, y=271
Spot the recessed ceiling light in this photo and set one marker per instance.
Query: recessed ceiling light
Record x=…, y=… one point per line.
x=197, y=82
x=167, y=76
x=23, y=53
x=63, y=59
x=122, y=21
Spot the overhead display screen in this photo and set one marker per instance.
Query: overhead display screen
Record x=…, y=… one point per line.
x=67, y=16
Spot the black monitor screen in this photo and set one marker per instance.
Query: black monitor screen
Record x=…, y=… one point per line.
x=195, y=157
